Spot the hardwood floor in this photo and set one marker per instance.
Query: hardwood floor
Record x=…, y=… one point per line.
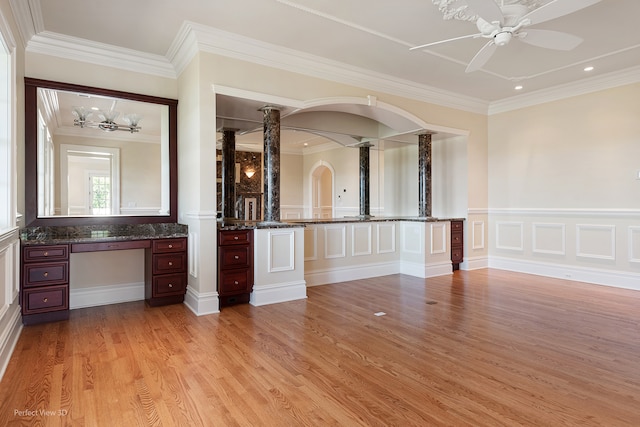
x=480, y=348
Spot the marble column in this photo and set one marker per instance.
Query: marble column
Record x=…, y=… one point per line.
x=424, y=175
x=228, y=174
x=364, y=180
x=271, y=134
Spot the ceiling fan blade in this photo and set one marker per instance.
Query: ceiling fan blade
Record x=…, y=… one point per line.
x=445, y=41
x=556, y=9
x=487, y=10
x=551, y=39
x=482, y=57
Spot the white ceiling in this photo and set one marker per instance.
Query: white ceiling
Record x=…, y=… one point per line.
x=363, y=37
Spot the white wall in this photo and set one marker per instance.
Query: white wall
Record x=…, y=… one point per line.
x=12, y=182
x=564, y=189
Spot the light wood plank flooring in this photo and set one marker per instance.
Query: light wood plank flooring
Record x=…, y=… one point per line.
x=480, y=348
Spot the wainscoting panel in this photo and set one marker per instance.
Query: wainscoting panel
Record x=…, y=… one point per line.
x=335, y=241
x=361, y=239
x=510, y=236
x=439, y=238
x=634, y=244
x=596, y=241
x=477, y=235
x=386, y=238
x=310, y=243
x=281, y=250
x=549, y=238
x=600, y=246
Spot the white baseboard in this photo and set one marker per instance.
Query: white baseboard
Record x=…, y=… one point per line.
x=618, y=279
x=424, y=271
x=105, y=295
x=9, y=335
x=202, y=303
x=345, y=274
x=279, y=292
x=476, y=263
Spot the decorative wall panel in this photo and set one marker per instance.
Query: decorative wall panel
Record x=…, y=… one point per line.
x=361, y=240
x=386, y=238
x=477, y=235
x=509, y=235
x=634, y=244
x=310, y=243
x=281, y=250
x=549, y=238
x=596, y=241
x=438, y=238
x=335, y=242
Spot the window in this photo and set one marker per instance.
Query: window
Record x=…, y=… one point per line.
x=100, y=194
x=7, y=169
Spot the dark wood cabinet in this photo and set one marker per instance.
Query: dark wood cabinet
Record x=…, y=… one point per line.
x=45, y=283
x=235, y=266
x=166, y=271
x=457, y=243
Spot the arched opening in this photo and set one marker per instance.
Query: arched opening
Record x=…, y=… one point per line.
x=322, y=191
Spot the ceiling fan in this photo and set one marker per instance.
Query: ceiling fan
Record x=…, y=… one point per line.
x=501, y=23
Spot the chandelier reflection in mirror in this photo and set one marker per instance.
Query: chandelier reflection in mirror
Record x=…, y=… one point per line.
x=107, y=120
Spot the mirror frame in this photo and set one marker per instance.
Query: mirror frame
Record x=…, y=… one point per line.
x=31, y=87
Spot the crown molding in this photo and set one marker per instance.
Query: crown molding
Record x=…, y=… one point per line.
x=232, y=45
x=54, y=44
x=28, y=16
x=581, y=87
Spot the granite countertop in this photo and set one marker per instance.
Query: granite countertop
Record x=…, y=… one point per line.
x=370, y=219
x=100, y=233
x=238, y=224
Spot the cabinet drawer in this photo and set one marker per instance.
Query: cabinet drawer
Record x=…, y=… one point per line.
x=456, y=255
x=45, y=299
x=169, y=263
x=42, y=274
x=235, y=281
x=235, y=237
x=170, y=284
x=456, y=226
x=456, y=238
x=169, y=245
x=234, y=256
x=45, y=253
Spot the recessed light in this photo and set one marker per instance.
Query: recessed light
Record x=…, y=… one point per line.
x=589, y=68
x=519, y=87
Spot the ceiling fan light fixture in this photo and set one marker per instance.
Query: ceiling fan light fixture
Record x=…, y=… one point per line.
x=502, y=38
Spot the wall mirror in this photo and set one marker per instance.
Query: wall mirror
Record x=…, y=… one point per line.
x=98, y=156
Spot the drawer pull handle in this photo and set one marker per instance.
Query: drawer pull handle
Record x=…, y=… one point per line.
x=235, y=282
x=235, y=237
x=236, y=257
x=170, y=246
x=45, y=299
x=46, y=274
x=170, y=285
x=46, y=253
x=170, y=263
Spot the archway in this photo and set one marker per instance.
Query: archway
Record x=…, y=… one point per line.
x=322, y=191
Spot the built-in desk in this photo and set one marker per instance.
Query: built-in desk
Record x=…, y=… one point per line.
x=44, y=287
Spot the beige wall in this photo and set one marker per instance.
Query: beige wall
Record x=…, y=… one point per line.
x=580, y=152
x=564, y=190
